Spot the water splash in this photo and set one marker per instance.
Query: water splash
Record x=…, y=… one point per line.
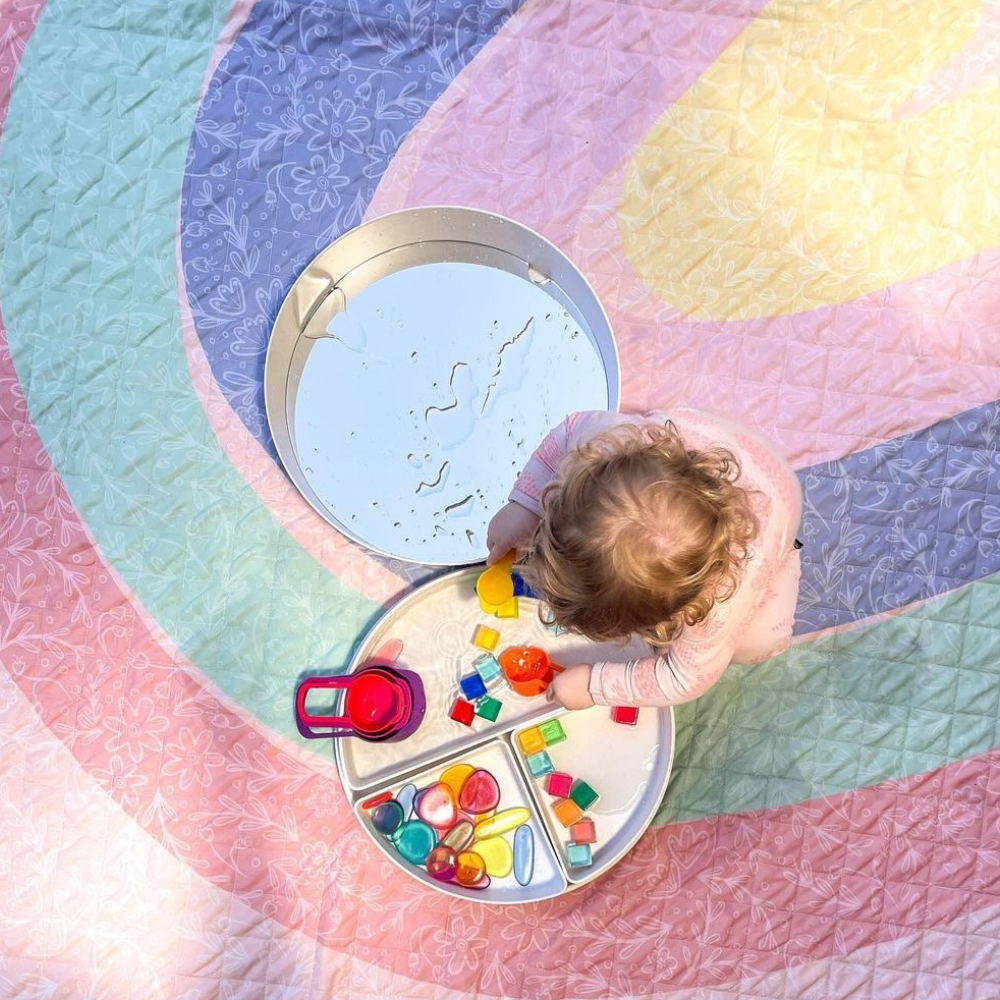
x=453, y=423
x=348, y=330
x=536, y=276
x=461, y=508
x=512, y=367
x=438, y=484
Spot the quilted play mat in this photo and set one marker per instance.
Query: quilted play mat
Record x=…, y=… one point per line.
x=788, y=209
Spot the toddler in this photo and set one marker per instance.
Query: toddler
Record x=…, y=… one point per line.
x=680, y=530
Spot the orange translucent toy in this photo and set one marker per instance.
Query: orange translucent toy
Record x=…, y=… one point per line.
x=567, y=812
x=470, y=868
x=528, y=669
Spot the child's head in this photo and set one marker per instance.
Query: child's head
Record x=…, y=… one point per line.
x=640, y=535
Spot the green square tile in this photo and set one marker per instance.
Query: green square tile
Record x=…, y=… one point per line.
x=488, y=708
x=552, y=732
x=583, y=795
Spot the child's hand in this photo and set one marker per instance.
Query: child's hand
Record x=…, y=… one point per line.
x=511, y=529
x=571, y=688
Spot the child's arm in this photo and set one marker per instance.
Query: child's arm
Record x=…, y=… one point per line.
x=672, y=678
x=683, y=672
x=691, y=664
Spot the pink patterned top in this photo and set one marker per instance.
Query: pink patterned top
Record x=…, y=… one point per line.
x=756, y=621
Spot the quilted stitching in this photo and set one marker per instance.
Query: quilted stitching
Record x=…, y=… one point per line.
x=794, y=862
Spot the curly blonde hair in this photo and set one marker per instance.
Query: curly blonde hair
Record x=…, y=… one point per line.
x=640, y=535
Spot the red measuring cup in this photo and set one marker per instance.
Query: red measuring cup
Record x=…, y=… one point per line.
x=381, y=703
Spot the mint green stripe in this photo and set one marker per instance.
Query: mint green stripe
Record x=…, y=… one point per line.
x=905, y=695
x=90, y=176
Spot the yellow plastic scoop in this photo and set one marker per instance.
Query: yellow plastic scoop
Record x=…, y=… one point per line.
x=495, y=588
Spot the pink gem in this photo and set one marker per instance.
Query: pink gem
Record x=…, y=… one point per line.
x=480, y=793
x=436, y=806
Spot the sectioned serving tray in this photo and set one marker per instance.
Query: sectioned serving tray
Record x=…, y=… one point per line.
x=629, y=766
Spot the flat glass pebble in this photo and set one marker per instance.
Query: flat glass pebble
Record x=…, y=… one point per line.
x=552, y=732
x=540, y=764
x=417, y=796
x=503, y=822
x=436, y=806
x=387, y=817
x=441, y=863
x=524, y=854
x=497, y=854
x=459, y=836
x=579, y=855
x=405, y=799
x=415, y=840
x=480, y=793
x=470, y=868
x=455, y=777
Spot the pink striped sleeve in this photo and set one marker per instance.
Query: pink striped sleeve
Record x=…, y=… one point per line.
x=543, y=466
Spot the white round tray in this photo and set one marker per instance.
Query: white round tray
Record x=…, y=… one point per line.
x=629, y=766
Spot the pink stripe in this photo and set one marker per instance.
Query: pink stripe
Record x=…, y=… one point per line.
x=17, y=25
x=50, y=912
x=822, y=384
